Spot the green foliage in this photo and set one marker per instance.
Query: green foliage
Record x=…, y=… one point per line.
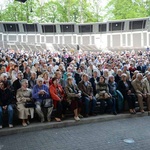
x=125, y=9
x=51, y=11
x=79, y=11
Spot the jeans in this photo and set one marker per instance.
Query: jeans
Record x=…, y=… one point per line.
x=10, y=114
x=87, y=102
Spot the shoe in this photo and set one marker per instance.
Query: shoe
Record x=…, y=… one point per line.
x=10, y=126
x=80, y=116
x=115, y=113
x=58, y=119
x=28, y=122
x=86, y=115
x=77, y=118
x=142, y=111
x=49, y=119
x=42, y=120
x=1, y=127
x=148, y=113
x=92, y=114
x=24, y=124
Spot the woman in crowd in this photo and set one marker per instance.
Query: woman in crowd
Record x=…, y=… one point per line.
x=24, y=95
x=74, y=98
x=46, y=78
x=57, y=94
x=32, y=81
x=125, y=87
x=104, y=96
x=40, y=92
x=6, y=98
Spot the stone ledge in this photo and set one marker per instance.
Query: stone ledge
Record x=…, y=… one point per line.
x=66, y=123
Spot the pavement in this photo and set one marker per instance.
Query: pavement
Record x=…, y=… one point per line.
x=121, y=132
x=37, y=126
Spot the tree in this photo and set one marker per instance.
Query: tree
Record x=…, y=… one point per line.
x=123, y=9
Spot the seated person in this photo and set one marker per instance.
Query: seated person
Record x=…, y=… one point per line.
x=39, y=93
x=5, y=103
x=57, y=94
x=113, y=91
x=104, y=96
x=24, y=95
x=94, y=80
x=126, y=88
x=139, y=90
x=74, y=98
x=87, y=95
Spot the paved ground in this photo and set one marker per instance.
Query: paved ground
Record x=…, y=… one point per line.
x=94, y=136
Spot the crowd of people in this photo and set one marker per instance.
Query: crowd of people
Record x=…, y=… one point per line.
x=72, y=80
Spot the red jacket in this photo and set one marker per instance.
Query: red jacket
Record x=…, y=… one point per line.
x=54, y=93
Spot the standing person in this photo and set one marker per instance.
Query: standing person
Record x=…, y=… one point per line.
x=5, y=103
x=24, y=95
x=87, y=94
x=39, y=93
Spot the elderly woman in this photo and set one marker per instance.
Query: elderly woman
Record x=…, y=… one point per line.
x=104, y=96
x=74, y=98
x=57, y=94
x=24, y=95
x=5, y=103
x=126, y=88
x=46, y=78
x=32, y=81
x=40, y=92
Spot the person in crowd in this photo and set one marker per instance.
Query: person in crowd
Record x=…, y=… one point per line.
x=100, y=69
x=113, y=91
x=4, y=77
x=94, y=80
x=50, y=71
x=74, y=98
x=118, y=76
x=17, y=83
x=125, y=70
x=24, y=94
x=39, y=93
x=104, y=96
x=141, y=67
x=77, y=75
x=146, y=83
x=87, y=94
x=126, y=88
x=6, y=98
x=132, y=69
x=139, y=89
x=32, y=80
x=90, y=69
x=27, y=73
x=106, y=75
x=46, y=78
x=58, y=95
x=14, y=73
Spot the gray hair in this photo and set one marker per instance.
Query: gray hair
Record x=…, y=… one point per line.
x=23, y=81
x=39, y=79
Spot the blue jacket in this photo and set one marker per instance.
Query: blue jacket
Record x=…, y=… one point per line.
x=38, y=97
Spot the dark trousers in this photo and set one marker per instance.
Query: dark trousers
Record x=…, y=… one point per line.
x=87, y=102
x=131, y=101
x=106, y=105
x=61, y=107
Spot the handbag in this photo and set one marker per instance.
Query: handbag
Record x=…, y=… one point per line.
x=29, y=104
x=48, y=102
